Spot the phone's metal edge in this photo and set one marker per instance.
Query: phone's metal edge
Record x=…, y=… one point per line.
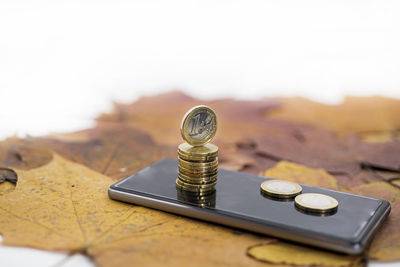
x=271, y=230
x=366, y=235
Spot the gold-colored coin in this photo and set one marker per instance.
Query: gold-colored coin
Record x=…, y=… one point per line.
x=199, y=125
x=280, y=189
x=316, y=203
x=204, y=161
x=198, y=175
x=204, y=150
x=200, y=182
x=200, y=166
x=210, y=184
x=197, y=181
x=196, y=159
x=191, y=173
x=193, y=187
x=198, y=170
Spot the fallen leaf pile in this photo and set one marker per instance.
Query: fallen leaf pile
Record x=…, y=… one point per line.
x=53, y=189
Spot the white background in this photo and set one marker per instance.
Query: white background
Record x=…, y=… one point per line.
x=63, y=62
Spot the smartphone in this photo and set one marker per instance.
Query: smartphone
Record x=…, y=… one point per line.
x=238, y=202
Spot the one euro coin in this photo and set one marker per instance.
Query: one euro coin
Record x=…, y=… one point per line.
x=280, y=188
x=199, y=125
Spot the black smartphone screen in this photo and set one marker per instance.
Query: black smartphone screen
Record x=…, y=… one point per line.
x=238, y=202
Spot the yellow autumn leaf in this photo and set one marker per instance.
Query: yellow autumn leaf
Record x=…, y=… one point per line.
x=355, y=115
x=284, y=253
x=64, y=206
x=386, y=244
x=6, y=176
x=6, y=187
x=289, y=171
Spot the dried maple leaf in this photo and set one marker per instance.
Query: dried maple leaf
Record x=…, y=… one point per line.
x=328, y=153
x=271, y=140
x=8, y=179
x=301, y=174
x=163, y=122
x=22, y=154
x=354, y=115
x=112, y=149
x=7, y=174
x=381, y=137
x=239, y=121
x=6, y=187
x=344, y=158
x=381, y=156
x=386, y=244
x=373, y=116
x=278, y=253
x=64, y=206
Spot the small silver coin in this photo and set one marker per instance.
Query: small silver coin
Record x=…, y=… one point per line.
x=316, y=203
x=280, y=188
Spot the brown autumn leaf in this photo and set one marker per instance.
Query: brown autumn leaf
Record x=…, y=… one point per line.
x=238, y=121
x=355, y=115
x=278, y=253
x=381, y=156
x=236, y=118
x=386, y=244
x=395, y=182
x=346, y=158
x=328, y=153
x=64, y=206
x=112, y=149
x=23, y=154
x=232, y=158
x=381, y=137
x=271, y=140
x=118, y=138
x=365, y=116
x=7, y=174
x=301, y=174
x=8, y=179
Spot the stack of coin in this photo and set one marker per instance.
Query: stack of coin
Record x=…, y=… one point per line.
x=197, y=159
x=198, y=168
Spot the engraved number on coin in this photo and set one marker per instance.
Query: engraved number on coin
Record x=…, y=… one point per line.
x=200, y=126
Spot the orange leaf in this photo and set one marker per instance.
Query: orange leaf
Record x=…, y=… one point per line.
x=64, y=206
x=285, y=253
x=386, y=244
x=354, y=115
x=301, y=174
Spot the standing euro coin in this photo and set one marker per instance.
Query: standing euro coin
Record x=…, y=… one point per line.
x=198, y=159
x=199, y=125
